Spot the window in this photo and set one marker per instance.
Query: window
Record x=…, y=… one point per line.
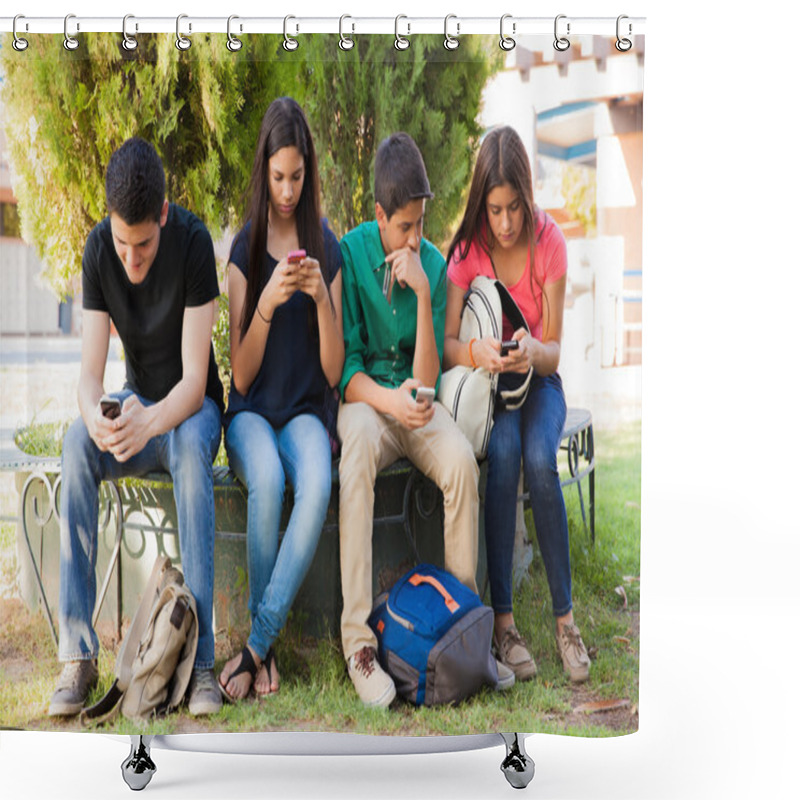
x=9, y=221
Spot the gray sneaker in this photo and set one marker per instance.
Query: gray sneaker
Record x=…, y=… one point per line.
x=77, y=679
x=505, y=677
x=204, y=695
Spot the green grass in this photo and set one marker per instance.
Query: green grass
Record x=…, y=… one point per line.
x=41, y=438
x=317, y=695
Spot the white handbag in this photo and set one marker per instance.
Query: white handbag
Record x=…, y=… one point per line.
x=468, y=393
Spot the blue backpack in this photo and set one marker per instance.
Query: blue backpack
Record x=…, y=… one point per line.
x=434, y=637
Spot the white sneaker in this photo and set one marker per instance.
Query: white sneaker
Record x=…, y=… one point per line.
x=375, y=688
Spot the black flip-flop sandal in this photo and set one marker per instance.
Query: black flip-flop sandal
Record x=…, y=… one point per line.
x=267, y=663
x=246, y=664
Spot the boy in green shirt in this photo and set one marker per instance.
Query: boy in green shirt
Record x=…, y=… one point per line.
x=393, y=296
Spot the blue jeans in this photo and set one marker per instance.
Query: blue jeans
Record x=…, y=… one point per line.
x=263, y=458
x=530, y=436
x=187, y=453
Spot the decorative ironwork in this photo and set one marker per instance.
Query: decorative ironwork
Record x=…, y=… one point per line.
x=112, y=505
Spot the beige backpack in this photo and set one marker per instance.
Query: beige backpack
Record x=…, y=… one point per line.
x=155, y=661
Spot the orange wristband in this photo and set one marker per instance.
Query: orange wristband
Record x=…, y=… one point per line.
x=471, y=357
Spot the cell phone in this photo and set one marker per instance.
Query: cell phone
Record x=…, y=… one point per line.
x=110, y=407
x=425, y=395
x=296, y=256
x=507, y=346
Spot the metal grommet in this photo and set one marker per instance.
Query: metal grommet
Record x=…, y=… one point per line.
x=70, y=42
x=129, y=43
x=400, y=42
x=18, y=44
x=506, y=42
x=289, y=44
x=234, y=44
x=345, y=42
x=181, y=41
x=561, y=43
x=450, y=42
x=623, y=45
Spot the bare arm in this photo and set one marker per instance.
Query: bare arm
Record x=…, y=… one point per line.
x=94, y=351
x=407, y=271
x=485, y=352
x=398, y=403
x=247, y=351
x=138, y=424
x=331, y=338
x=329, y=317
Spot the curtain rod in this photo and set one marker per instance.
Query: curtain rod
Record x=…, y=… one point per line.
x=453, y=25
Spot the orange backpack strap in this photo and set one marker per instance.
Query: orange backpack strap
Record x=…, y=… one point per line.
x=416, y=579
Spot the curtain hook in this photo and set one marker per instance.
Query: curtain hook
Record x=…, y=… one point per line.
x=70, y=42
x=129, y=42
x=289, y=44
x=623, y=45
x=234, y=44
x=345, y=42
x=19, y=44
x=181, y=41
x=561, y=43
x=451, y=42
x=506, y=42
x=400, y=42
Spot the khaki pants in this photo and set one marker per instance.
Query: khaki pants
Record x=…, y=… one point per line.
x=371, y=442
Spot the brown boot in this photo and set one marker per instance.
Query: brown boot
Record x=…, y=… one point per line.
x=573, y=653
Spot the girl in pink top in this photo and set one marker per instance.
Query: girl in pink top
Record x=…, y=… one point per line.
x=504, y=235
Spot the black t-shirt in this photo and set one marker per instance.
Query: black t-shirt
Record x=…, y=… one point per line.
x=290, y=379
x=149, y=316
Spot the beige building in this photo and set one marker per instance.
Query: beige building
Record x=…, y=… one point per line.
x=580, y=115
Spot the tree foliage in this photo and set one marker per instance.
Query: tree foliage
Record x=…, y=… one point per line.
x=357, y=98
x=66, y=112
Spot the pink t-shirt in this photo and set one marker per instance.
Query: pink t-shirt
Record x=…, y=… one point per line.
x=550, y=261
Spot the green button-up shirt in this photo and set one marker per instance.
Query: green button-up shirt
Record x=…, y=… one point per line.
x=380, y=337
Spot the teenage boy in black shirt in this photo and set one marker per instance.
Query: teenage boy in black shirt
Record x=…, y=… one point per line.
x=149, y=268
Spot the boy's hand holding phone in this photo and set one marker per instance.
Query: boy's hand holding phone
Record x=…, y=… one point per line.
x=425, y=396
x=102, y=425
x=413, y=412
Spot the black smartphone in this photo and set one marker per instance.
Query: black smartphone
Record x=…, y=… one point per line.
x=110, y=407
x=507, y=346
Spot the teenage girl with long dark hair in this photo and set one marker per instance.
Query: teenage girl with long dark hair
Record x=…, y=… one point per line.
x=504, y=235
x=287, y=351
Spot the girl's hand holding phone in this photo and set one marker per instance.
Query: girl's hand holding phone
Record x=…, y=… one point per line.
x=283, y=283
x=521, y=359
x=486, y=353
x=310, y=280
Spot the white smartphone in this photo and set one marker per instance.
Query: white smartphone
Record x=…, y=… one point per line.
x=426, y=395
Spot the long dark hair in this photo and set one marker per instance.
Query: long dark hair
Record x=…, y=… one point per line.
x=501, y=160
x=284, y=125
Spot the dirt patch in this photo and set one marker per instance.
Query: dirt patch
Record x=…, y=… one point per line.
x=624, y=720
